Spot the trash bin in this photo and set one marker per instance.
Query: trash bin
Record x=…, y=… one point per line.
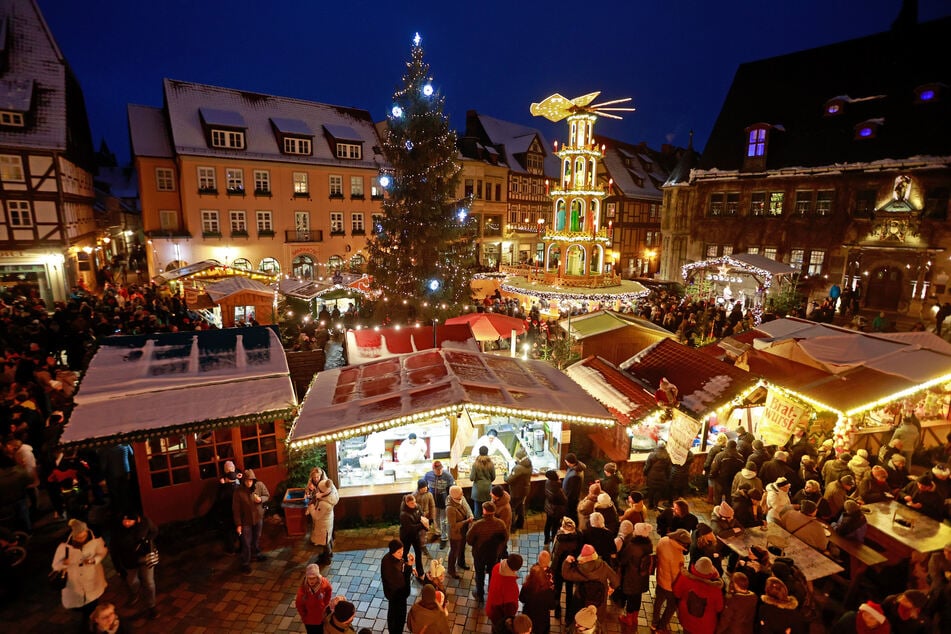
x=295, y=512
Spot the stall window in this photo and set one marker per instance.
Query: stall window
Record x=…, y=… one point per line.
x=168, y=461
x=214, y=448
x=259, y=445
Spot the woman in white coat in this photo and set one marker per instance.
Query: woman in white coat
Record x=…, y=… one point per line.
x=81, y=556
x=321, y=510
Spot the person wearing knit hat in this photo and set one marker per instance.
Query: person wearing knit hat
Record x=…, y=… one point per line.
x=427, y=615
x=459, y=517
x=586, y=620
x=701, y=581
x=670, y=564
x=706, y=544
x=633, y=562
x=874, y=486
x=605, y=506
x=248, y=510
x=923, y=496
x=321, y=511
x=723, y=521
x=852, y=524
x=313, y=599
x=592, y=577
x=81, y=557
x=586, y=506
x=599, y=536
x=501, y=603
x=395, y=578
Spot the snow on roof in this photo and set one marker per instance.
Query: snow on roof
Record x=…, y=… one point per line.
x=369, y=345
x=146, y=385
x=217, y=116
x=185, y=271
x=623, y=176
x=16, y=94
x=515, y=139
x=342, y=133
x=148, y=133
x=232, y=285
x=390, y=392
x=292, y=126
x=602, y=321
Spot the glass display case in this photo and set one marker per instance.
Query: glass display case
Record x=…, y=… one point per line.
x=400, y=454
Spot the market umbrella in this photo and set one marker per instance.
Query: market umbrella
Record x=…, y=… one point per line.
x=490, y=326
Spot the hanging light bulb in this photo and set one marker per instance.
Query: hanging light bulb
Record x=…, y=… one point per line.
x=397, y=112
x=428, y=90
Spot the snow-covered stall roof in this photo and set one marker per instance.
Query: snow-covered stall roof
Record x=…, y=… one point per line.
x=602, y=321
x=225, y=288
x=373, y=344
x=147, y=385
x=358, y=399
x=625, y=398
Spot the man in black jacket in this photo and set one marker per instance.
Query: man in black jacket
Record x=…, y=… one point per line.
x=131, y=542
x=573, y=483
x=488, y=537
x=725, y=467
x=395, y=574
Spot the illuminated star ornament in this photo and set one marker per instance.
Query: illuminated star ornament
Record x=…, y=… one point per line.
x=417, y=39
x=557, y=107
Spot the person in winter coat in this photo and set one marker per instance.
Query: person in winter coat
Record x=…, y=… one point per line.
x=758, y=567
x=675, y=517
x=394, y=577
x=679, y=478
x=748, y=507
x=439, y=481
x=837, y=492
x=482, y=475
x=777, y=498
x=636, y=508
x=908, y=432
x=131, y=541
x=605, y=506
x=813, y=491
x=586, y=505
x=897, y=473
x=502, y=600
x=340, y=617
x=704, y=543
x=852, y=525
x=670, y=563
x=321, y=511
x=699, y=592
x=460, y=519
x=922, y=495
x=717, y=447
x=599, y=536
x=427, y=616
x=224, y=499
x=800, y=445
x=488, y=537
x=906, y=612
x=538, y=594
x=724, y=468
x=313, y=599
x=657, y=475
x=519, y=481
x=859, y=465
x=868, y=619
x=573, y=484
x=804, y=525
x=744, y=442
x=723, y=521
x=555, y=504
x=412, y=523
x=874, y=487
x=777, y=613
x=567, y=543
x=426, y=504
x=81, y=556
x=778, y=467
x=759, y=456
x=503, y=506
x=633, y=565
x=248, y=510
x=587, y=568
x=835, y=469
x=611, y=482
x=807, y=470
x=739, y=607
x=747, y=475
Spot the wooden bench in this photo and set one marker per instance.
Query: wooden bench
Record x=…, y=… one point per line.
x=861, y=558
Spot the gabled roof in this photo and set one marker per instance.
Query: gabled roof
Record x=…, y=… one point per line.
x=254, y=112
x=510, y=139
x=148, y=132
x=233, y=285
x=789, y=93
x=604, y=321
x=637, y=170
x=398, y=390
x=143, y=386
x=625, y=398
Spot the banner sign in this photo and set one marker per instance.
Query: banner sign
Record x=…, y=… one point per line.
x=680, y=436
x=780, y=415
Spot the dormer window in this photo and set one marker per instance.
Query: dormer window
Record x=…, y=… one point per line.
x=756, y=142
x=11, y=119
x=868, y=129
x=929, y=93
x=293, y=136
x=227, y=139
x=225, y=128
x=345, y=142
x=293, y=145
x=349, y=151
x=834, y=107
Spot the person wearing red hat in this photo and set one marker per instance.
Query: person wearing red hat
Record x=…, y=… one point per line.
x=587, y=572
x=870, y=617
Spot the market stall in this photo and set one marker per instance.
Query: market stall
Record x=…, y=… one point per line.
x=371, y=344
x=239, y=300
x=187, y=403
x=744, y=278
x=384, y=422
x=611, y=335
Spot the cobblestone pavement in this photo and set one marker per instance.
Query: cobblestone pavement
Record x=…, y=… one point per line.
x=201, y=588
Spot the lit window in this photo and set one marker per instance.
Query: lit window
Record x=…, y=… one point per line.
x=227, y=139
x=12, y=119
x=803, y=202
x=262, y=181
x=758, y=204
x=20, y=215
x=168, y=219
x=769, y=252
x=334, y=262
x=11, y=169
x=209, y=221
x=796, y=258
x=264, y=221
x=336, y=222
x=164, y=179
x=349, y=151
x=215, y=446
x=242, y=264
x=727, y=249
x=356, y=186
x=239, y=221
x=712, y=250
x=816, y=258
x=300, y=183
x=732, y=203
x=824, y=202
x=235, y=178
x=376, y=190
x=716, y=204
x=268, y=265
x=776, y=203
x=377, y=222
x=356, y=223
x=206, y=179
x=294, y=145
x=756, y=145
x=336, y=185
x=752, y=250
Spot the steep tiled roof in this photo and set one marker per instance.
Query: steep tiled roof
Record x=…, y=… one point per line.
x=876, y=76
x=637, y=170
x=148, y=132
x=508, y=139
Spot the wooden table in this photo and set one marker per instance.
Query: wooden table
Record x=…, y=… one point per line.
x=924, y=535
x=814, y=565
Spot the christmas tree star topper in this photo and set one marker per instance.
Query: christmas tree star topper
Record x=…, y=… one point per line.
x=417, y=39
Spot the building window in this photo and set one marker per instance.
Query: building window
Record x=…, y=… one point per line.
x=239, y=221
x=262, y=182
x=864, y=203
x=242, y=264
x=376, y=190
x=478, y=191
x=732, y=204
x=716, y=204
x=498, y=191
x=356, y=223
x=727, y=249
x=776, y=203
x=167, y=458
x=796, y=257
x=215, y=447
x=227, y=139
x=235, y=179
x=20, y=215
x=336, y=186
x=654, y=212
x=294, y=145
x=535, y=163
x=356, y=187
x=756, y=143
x=206, y=179
x=712, y=250
x=168, y=220
x=164, y=179
x=336, y=222
x=334, y=262
x=377, y=223
x=469, y=189
x=752, y=250
x=867, y=129
x=12, y=119
x=11, y=169
x=652, y=239
x=357, y=262
x=303, y=267
x=936, y=203
x=264, y=221
x=349, y=151
x=824, y=202
x=816, y=258
x=272, y=266
x=300, y=183
x=758, y=204
x=769, y=252
x=209, y=221
x=803, y=203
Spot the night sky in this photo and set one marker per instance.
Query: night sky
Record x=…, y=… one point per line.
x=676, y=58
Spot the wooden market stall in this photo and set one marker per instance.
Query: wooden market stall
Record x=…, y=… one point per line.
x=241, y=299
x=613, y=336
x=187, y=402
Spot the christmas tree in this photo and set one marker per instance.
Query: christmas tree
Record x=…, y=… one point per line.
x=424, y=244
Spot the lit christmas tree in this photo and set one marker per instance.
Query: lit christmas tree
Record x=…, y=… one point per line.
x=425, y=242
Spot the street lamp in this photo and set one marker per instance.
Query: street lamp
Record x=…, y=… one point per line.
x=650, y=254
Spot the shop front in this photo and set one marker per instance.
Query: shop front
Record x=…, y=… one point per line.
x=383, y=423
x=39, y=273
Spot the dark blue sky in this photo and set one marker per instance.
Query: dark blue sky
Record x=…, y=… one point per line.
x=676, y=58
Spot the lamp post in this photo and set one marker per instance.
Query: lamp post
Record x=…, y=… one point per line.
x=650, y=254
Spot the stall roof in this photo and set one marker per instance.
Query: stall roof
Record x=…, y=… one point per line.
x=213, y=268
x=355, y=400
x=703, y=382
x=373, y=344
x=602, y=321
x=233, y=285
x=149, y=385
x=626, y=399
